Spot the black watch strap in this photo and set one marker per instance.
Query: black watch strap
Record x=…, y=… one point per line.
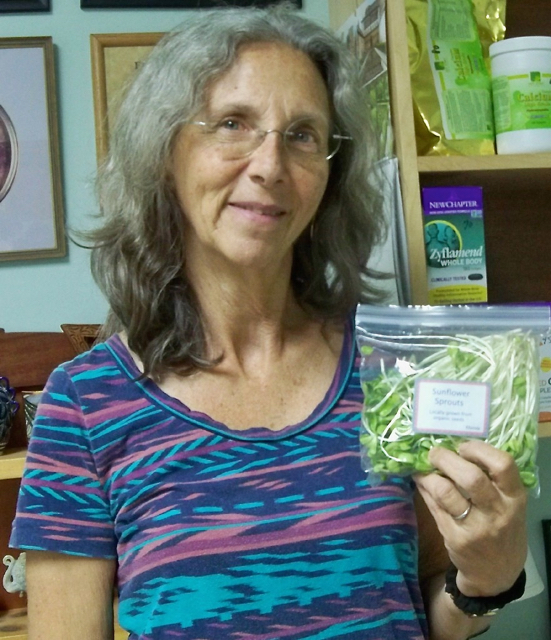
x=485, y=606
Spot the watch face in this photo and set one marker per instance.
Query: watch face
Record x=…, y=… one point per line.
x=8, y=153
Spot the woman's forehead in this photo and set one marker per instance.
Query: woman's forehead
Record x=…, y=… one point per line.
x=267, y=74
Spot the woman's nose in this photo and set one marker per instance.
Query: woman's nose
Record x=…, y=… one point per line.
x=267, y=163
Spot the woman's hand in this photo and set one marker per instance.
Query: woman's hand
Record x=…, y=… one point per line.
x=488, y=546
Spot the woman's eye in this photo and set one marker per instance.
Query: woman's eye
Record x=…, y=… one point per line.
x=303, y=137
x=230, y=125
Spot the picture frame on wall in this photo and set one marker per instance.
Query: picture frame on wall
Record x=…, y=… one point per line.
x=31, y=203
x=115, y=58
x=175, y=4
x=20, y=6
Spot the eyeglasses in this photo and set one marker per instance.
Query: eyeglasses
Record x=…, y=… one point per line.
x=300, y=139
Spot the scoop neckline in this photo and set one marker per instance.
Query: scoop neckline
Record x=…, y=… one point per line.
x=176, y=408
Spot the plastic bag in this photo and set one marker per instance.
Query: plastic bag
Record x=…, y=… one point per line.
x=442, y=375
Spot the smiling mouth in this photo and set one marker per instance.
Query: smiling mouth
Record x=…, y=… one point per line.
x=272, y=211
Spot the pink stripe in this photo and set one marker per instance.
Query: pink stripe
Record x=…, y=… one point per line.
x=321, y=623
x=118, y=409
x=55, y=411
x=233, y=542
x=68, y=521
x=44, y=463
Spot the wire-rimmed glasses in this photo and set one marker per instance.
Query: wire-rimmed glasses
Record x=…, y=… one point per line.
x=300, y=139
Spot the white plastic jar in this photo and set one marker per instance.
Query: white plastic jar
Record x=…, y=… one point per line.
x=521, y=89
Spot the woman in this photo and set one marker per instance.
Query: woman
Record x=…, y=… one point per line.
x=204, y=459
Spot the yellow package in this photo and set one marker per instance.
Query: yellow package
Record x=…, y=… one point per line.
x=448, y=44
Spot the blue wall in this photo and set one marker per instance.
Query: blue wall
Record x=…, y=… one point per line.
x=41, y=295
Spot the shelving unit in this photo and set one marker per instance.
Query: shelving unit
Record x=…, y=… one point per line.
x=517, y=188
x=11, y=463
x=27, y=359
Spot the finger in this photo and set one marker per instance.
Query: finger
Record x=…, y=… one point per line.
x=498, y=465
x=443, y=498
x=469, y=478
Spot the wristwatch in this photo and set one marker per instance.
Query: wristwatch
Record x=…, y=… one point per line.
x=482, y=606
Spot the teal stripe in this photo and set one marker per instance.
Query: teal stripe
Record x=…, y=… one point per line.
x=92, y=374
x=298, y=451
x=208, y=510
x=218, y=467
x=76, y=497
x=289, y=499
x=100, y=429
x=168, y=514
x=249, y=505
x=326, y=492
x=253, y=465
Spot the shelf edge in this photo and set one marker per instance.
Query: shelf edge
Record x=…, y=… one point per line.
x=12, y=464
x=521, y=162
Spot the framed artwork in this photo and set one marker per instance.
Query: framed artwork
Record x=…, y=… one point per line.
x=115, y=58
x=13, y=6
x=31, y=203
x=175, y=4
x=547, y=545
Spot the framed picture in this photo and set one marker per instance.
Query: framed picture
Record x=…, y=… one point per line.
x=13, y=6
x=115, y=58
x=175, y=4
x=547, y=545
x=31, y=203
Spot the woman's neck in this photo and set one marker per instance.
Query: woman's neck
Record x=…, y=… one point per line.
x=250, y=316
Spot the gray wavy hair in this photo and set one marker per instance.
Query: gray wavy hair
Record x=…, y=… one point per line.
x=138, y=257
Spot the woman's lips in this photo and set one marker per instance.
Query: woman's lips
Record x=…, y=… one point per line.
x=271, y=210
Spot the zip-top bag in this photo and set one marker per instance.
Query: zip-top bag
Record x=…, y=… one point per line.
x=442, y=375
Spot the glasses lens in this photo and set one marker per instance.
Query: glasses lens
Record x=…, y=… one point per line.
x=233, y=142
x=304, y=138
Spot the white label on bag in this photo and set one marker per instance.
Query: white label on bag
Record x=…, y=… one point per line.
x=451, y=408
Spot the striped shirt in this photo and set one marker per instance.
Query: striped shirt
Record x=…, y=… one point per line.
x=241, y=535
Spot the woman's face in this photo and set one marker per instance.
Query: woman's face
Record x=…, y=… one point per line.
x=248, y=211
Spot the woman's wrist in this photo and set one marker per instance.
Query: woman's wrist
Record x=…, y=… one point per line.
x=482, y=605
x=446, y=621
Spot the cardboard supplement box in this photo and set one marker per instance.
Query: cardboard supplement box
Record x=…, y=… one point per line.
x=454, y=245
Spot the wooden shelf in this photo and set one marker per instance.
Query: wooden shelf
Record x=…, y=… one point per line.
x=498, y=173
x=12, y=462
x=13, y=626
x=516, y=162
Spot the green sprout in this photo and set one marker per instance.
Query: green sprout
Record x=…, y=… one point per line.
x=506, y=361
